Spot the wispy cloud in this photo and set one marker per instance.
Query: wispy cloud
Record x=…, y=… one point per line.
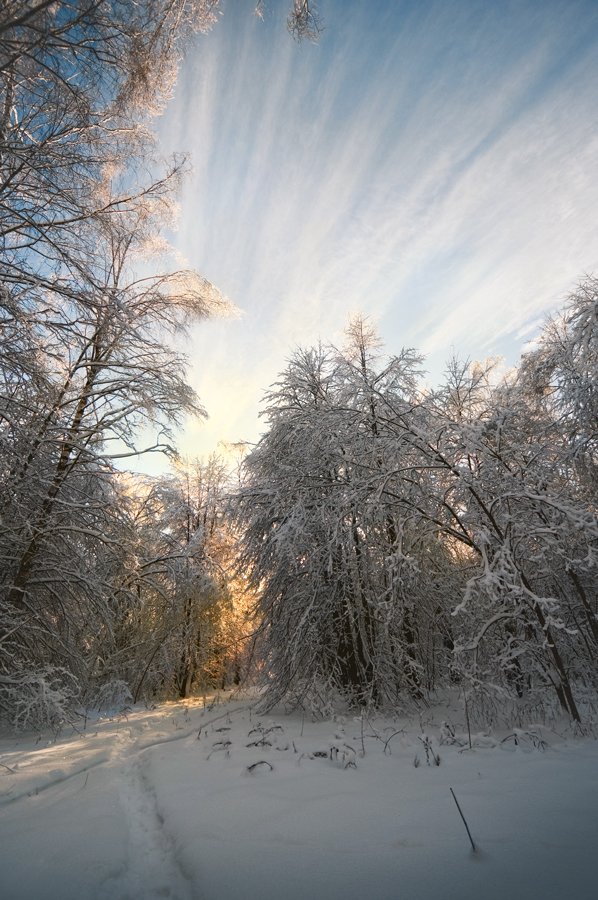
x=433, y=165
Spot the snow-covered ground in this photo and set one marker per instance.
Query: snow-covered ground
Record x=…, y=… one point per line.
x=270, y=807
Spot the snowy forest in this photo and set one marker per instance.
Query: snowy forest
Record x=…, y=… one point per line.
x=383, y=541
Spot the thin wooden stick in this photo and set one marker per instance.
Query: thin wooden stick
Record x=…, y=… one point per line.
x=467, y=720
x=473, y=846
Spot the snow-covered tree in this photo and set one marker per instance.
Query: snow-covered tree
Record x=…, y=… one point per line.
x=339, y=562
x=85, y=357
x=401, y=538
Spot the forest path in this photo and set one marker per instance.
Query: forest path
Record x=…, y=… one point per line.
x=152, y=871
x=80, y=816
x=39, y=767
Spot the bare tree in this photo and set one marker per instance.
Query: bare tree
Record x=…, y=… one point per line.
x=304, y=21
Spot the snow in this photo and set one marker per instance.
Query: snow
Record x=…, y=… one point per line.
x=139, y=806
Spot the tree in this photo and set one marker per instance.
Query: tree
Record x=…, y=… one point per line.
x=304, y=21
x=401, y=538
x=84, y=355
x=183, y=625
x=109, y=370
x=87, y=362
x=338, y=564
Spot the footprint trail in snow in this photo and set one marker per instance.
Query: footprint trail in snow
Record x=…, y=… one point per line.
x=152, y=871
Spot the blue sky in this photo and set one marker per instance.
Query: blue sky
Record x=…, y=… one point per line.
x=433, y=165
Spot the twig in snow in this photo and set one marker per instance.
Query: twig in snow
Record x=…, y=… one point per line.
x=374, y=733
x=348, y=757
x=467, y=720
x=274, y=728
x=261, y=762
x=220, y=745
x=426, y=741
x=217, y=719
x=473, y=846
x=387, y=750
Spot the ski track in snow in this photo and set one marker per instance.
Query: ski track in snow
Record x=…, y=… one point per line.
x=152, y=871
x=124, y=742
